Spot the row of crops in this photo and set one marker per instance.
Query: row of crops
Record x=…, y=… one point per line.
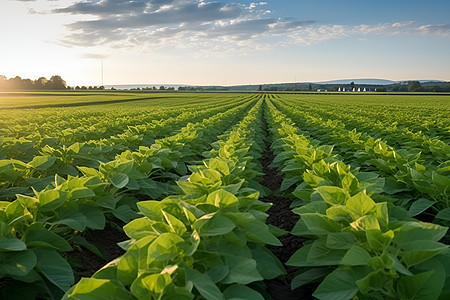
x=181, y=175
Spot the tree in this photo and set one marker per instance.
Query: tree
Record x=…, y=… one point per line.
x=162, y=88
x=310, y=87
x=260, y=88
x=414, y=86
x=40, y=83
x=352, y=85
x=56, y=83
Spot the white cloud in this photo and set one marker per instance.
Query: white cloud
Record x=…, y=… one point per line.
x=93, y=56
x=439, y=29
x=209, y=25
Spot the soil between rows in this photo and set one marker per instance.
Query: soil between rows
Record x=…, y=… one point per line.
x=281, y=216
x=85, y=263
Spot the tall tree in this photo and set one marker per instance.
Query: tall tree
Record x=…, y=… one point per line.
x=40, y=83
x=56, y=83
x=414, y=86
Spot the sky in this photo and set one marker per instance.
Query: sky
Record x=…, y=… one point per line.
x=201, y=42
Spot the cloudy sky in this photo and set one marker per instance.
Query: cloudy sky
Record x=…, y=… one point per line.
x=200, y=42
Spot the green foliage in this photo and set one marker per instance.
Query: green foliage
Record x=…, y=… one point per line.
x=367, y=252
x=206, y=240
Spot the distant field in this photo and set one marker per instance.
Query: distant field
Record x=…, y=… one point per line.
x=197, y=187
x=58, y=99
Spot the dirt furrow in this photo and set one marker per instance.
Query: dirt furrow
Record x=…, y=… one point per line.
x=281, y=215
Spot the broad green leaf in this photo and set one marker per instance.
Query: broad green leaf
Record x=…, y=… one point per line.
x=234, y=188
x=366, y=223
x=409, y=286
x=27, y=201
x=267, y=263
x=139, y=228
x=45, y=238
x=308, y=277
x=81, y=241
x=355, y=256
x=350, y=183
x=11, y=243
x=222, y=199
x=418, y=251
x=177, y=226
x=376, y=280
x=119, y=180
x=379, y=240
x=151, y=209
x=333, y=194
x=95, y=218
x=125, y=213
x=16, y=213
x=167, y=246
x=134, y=261
x=276, y=231
x=341, y=240
x=73, y=219
x=338, y=213
x=219, y=165
x=101, y=289
x=338, y=285
x=192, y=243
x=90, y=172
x=218, y=273
x=42, y=162
x=242, y=270
x=55, y=268
x=321, y=255
x=444, y=214
x=288, y=182
x=410, y=231
x=300, y=229
x=17, y=263
x=51, y=200
x=150, y=286
x=399, y=267
x=203, y=283
x=213, y=224
x=298, y=259
x=241, y=292
x=320, y=224
x=108, y=271
x=381, y=212
x=258, y=231
x=80, y=192
x=360, y=205
x=420, y=206
x=312, y=207
x=437, y=285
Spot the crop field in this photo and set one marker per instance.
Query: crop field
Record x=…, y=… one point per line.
x=114, y=195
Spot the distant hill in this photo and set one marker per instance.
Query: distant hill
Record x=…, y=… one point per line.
x=304, y=86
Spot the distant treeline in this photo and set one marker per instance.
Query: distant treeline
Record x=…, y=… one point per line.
x=407, y=86
x=17, y=83
x=416, y=86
